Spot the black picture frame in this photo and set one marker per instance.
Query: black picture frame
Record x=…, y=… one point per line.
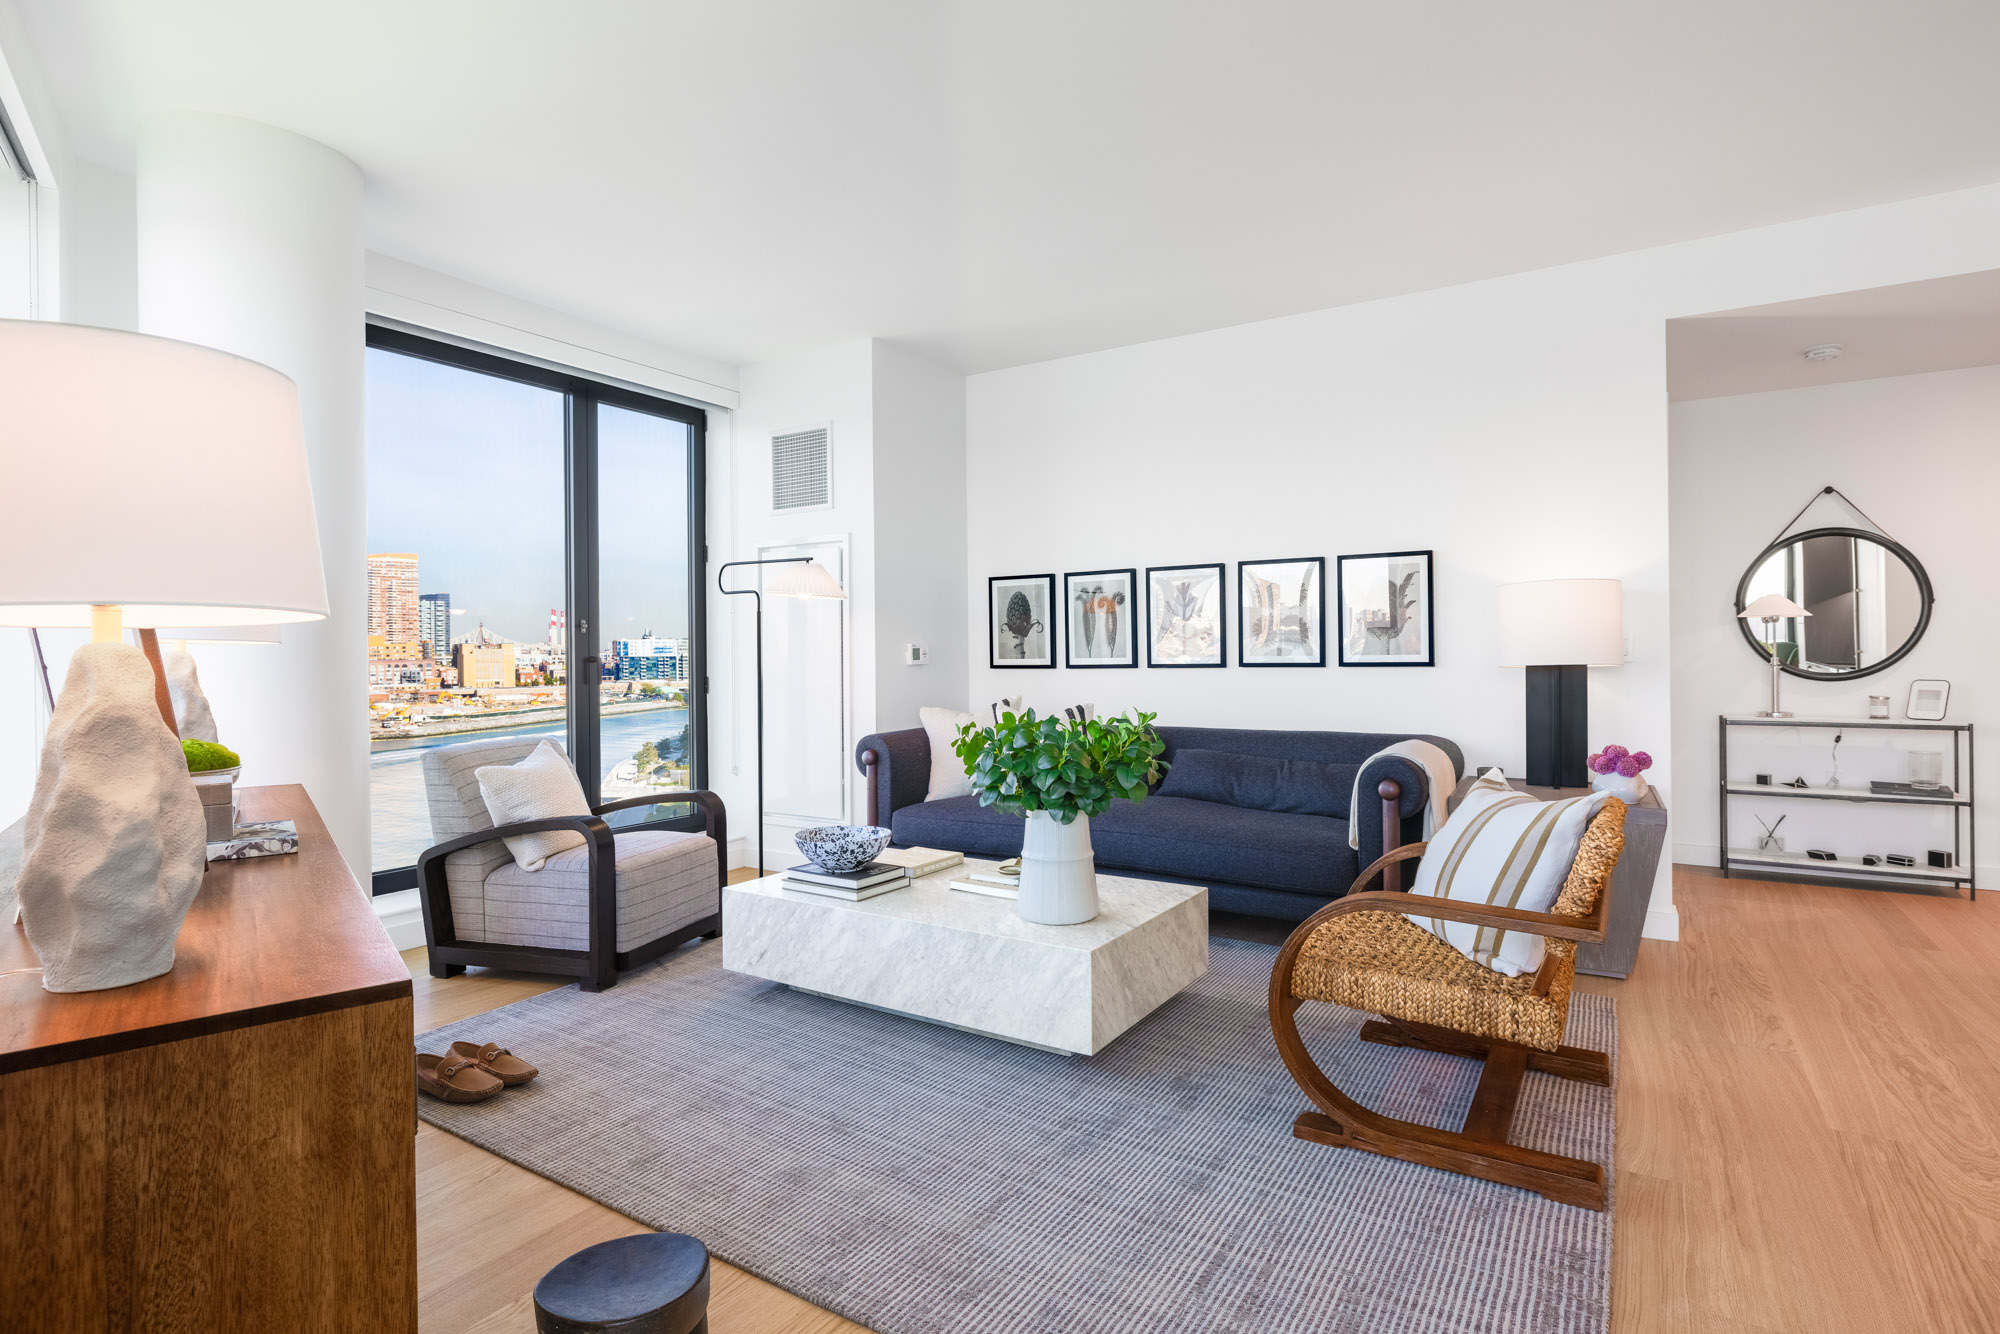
x=1047, y=621
x=1429, y=658
x=1131, y=578
x=1244, y=617
x=1221, y=572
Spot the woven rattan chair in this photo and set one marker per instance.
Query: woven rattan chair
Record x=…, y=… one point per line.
x=1361, y=952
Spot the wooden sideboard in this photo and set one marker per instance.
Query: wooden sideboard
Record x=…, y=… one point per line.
x=231, y=1146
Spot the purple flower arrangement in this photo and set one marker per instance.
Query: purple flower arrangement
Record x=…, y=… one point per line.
x=1618, y=760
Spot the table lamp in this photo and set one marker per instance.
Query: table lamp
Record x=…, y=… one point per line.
x=1770, y=609
x=159, y=484
x=796, y=577
x=1558, y=629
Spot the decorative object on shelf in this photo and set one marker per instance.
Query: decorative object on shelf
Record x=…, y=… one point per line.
x=841, y=847
x=1384, y=615
x=115, y=841
x=258, y=838
x=214, y=768
x=1103, y=608
x=1186, y=620
x=1878, y=706
x=1940, y=859
x=797, y=577
x=1768, y=841
x=1833, y=767
x=1800, y=781
x=1020, y=629
x=1763, y=780
x=1926, y=770
x=1900, y=859
x=1928, y=700
x=1620, y=772
x=1772, y=609
x=1821, y=855
x=1281, y=612
x=1057, y=774
x=1870, y=597
x=1559, y=629
x=1871, y=859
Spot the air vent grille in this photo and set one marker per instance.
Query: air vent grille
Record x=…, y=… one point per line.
x=800, y=478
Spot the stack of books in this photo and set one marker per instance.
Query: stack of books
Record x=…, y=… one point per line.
x=854, y=886
x=990, y=883
x=920, y=862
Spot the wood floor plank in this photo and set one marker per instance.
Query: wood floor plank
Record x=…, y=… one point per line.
x=1808, y=1132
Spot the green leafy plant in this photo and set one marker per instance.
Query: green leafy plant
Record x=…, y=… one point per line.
x=203, y=756
x=1065, y=768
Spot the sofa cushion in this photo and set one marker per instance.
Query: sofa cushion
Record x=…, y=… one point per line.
x=666, y=880
x=1205, y=840
x=959, y=824
x=1261, y=783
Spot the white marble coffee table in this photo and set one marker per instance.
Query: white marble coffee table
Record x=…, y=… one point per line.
x=966, y=960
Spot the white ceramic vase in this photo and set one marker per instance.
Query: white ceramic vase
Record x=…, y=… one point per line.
x=1058, y=872
x=1628, y=790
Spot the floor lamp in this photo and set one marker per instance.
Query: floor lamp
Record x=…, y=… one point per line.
x=805, y=578
x=1559, y=629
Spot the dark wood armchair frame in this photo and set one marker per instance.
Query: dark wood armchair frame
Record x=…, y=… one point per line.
x=1480, y=1149
x=597, y=966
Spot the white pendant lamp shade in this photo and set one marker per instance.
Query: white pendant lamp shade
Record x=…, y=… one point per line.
x=807, y=579
x=1562, y=623
x=154, y=475
x=1772, y=607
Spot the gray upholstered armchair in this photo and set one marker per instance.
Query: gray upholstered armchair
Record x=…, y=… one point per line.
x=624, y=897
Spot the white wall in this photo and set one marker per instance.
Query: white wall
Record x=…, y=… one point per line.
x=1917, y=453
x=1518, y=427
x=920, y=588
x=100, y=247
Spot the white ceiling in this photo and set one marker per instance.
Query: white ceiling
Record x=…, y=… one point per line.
x=1003, y=181
x=1945, y=324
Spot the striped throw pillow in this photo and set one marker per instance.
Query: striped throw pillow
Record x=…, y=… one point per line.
x=1504, y=848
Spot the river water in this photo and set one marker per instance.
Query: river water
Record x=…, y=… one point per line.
x=401, y=819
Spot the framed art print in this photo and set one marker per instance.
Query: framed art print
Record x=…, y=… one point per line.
x=1281, y=612
x=1186, y=622
x=1928, y=701
x=1384, y=610
x=1020, y=623
x=1102, y=607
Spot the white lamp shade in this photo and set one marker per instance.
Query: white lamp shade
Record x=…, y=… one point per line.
x=1772, y=607
x=155, y=475
x=226, y=634
x=1562, y=623
x=805, y=579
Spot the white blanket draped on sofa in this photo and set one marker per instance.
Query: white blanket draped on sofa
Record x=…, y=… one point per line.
x=1438, y=768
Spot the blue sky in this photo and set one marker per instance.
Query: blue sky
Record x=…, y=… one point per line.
x=466, y=470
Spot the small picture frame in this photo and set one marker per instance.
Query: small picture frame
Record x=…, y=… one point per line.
x=1928, y=701
x=1102, y=607
x=1281, y=612
x=1385, y=614
x=1020, y=622
x=1187, y=620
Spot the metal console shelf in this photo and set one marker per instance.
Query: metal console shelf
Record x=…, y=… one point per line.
x=1846, y=870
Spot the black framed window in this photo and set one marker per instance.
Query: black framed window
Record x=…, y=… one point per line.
x=535, y=569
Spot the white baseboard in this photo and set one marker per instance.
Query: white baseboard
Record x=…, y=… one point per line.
x=402, y=917
x=1663, y=922
x=1696, y=854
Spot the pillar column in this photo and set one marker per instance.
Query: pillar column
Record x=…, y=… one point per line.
x=249, y=240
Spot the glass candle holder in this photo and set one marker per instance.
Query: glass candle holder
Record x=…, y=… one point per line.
x=1878, y=706
x=1926, y=768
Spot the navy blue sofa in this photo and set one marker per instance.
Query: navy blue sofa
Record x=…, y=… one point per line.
x=1278, y=863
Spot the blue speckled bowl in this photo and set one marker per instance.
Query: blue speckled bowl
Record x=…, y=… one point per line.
x=842, y=847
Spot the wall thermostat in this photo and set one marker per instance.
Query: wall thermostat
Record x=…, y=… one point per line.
x=916, y=654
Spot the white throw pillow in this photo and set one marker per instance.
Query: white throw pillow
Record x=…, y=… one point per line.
x=541, y=787
x=1505, y=848
x=948, y=776
x=1003, y=706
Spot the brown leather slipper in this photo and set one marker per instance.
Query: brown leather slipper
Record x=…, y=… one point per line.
x=455, y=1078
x=496, y=1060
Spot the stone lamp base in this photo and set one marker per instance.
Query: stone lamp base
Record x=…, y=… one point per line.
x=115, y=842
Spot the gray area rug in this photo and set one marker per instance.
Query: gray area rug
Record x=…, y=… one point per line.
x=917, y=1179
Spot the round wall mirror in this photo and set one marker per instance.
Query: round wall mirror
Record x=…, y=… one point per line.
x=1869, y=597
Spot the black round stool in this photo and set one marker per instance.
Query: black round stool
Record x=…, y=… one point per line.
x=654, y=1283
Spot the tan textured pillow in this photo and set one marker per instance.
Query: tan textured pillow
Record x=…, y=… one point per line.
x=540, y=787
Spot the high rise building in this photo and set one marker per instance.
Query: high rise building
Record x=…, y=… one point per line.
x=392, y=596
x=434, y=624
x=648, y=659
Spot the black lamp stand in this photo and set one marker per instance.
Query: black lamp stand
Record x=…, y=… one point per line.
x=1558, y=720
x=773, y=560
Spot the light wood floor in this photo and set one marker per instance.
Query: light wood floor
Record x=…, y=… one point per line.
x=1808, y=1132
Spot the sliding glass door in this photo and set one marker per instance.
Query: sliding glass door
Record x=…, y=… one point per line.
x=536, y=549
